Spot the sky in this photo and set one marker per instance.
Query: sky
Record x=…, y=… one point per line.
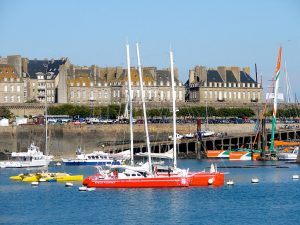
x=200, y=32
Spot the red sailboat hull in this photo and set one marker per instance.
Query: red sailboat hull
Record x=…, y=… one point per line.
x=146, y=182
x=196, y=179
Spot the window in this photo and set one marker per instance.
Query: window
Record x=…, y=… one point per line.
x=78, y=94
x=229, y=95
x=5, y=88
x=168, y=95
x=12, y=99
x=249, y=95
x=216, y=94
x=12, y=88
x=210, y=94
x=149, y=94
x=92, y=95
x=72, y=94
x=225, y=94
x=180, y=95
x=239, y=95
x=161, y=95
x=205, y=94
x=19, y=98
x=5, y=98
x=84, y=94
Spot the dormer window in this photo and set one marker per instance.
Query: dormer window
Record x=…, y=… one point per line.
x=83, y=84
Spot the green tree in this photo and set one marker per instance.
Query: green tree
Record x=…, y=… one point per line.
x=5, y=112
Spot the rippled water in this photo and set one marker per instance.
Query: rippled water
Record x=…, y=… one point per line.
x=275, y=200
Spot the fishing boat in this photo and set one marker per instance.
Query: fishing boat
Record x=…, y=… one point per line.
x=32, y=158
x=94, y=158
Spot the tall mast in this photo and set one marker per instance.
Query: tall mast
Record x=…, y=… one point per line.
x=206, y=115
x=130, y=104
x=276, y=78
x=144, y=108
x=174, y=111
x=46, y=116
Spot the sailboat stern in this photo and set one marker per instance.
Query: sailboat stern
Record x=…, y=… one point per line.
x=205, y=179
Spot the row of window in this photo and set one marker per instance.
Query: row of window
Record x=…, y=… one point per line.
x=12, y=88
x=222, y=84
x=228, y=95
x=148, y=95
x=16, y=99
x=118, y=83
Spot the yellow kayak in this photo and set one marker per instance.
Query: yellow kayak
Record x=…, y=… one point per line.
x=50, y=177
x=70, y=178
x=25, y=177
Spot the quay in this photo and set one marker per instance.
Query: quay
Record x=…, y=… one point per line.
x=194, y=148
x=64, y=139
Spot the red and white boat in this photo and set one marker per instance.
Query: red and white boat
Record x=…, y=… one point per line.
x=135, y=179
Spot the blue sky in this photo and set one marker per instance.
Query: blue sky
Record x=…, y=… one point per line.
x=209, y=33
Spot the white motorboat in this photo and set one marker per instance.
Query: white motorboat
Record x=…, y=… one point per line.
x=94, y=158
x=288, y=155
x=32, y=158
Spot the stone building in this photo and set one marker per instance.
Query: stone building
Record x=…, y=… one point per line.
x=42, y=73
x=96, y=85
x=11, y=85
x=224, y=84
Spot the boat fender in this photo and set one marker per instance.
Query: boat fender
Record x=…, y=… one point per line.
x=211, y=180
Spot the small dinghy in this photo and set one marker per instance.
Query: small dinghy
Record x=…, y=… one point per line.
x=34, y=183
x=230, y=182
x=254, y=180
x=82, y=188
x=295, y=177
x=69, y=184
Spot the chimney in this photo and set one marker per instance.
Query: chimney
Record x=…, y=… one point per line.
x=191, y=76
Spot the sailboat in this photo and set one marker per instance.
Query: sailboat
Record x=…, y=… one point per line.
x=129, y=178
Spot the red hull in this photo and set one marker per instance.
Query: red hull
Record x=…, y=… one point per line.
x=196, y=179
x=154, y=182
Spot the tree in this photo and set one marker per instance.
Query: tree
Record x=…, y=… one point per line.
x=5, y=112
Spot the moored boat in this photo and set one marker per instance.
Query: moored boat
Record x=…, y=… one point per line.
x=244, y=154
x=94, y=158
x=217, y=153
x=32, y=158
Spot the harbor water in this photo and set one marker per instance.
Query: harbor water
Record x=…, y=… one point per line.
x=274, y=200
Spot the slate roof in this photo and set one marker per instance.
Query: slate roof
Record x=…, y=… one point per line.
x=38, y=66
x=230, y=77
x=213, y=76
x=245, y=78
